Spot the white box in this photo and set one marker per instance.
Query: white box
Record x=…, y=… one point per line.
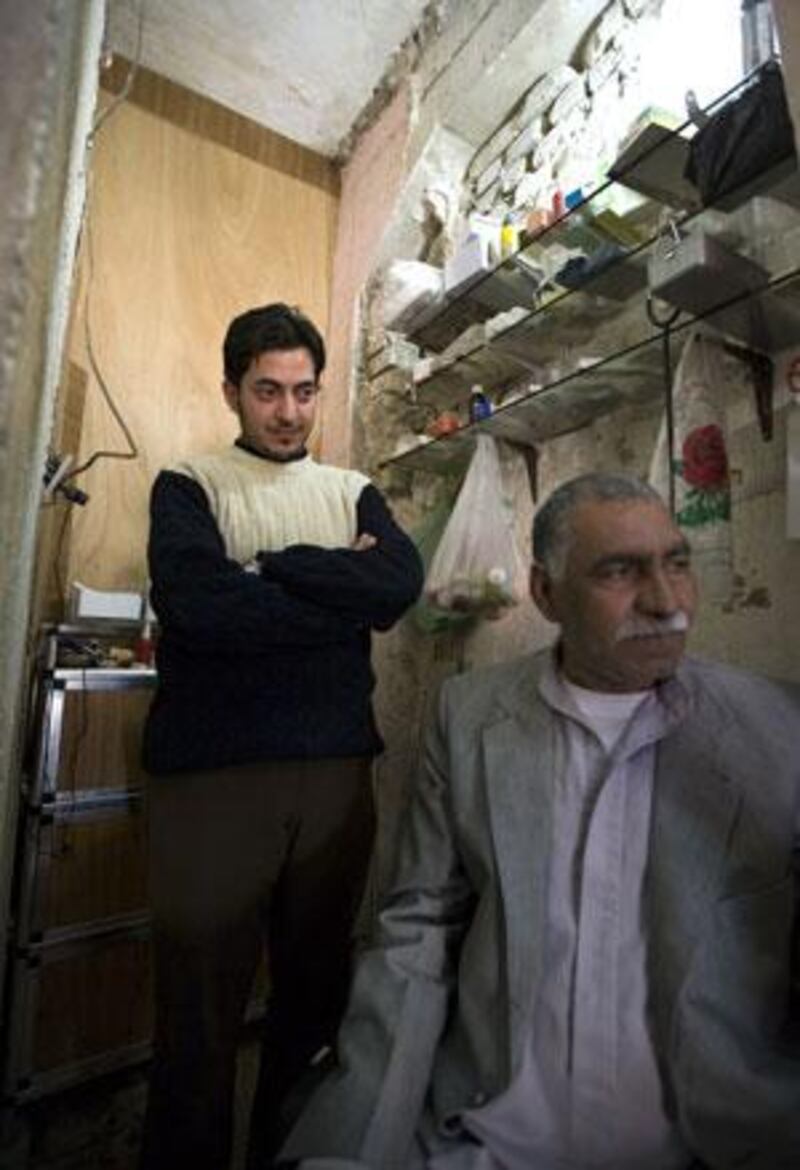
x=87, y=604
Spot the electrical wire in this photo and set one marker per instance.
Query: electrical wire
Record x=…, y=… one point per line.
x=100, y=121
x=127, y=86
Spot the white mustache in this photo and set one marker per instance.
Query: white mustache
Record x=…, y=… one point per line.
x=642, y=627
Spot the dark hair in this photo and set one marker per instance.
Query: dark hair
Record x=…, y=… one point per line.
x=269, y=327
x=552, y=532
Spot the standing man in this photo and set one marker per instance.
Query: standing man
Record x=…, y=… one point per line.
x=269, y=572
x=585, y=960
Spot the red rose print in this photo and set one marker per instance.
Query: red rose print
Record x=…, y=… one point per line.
x=705, y=460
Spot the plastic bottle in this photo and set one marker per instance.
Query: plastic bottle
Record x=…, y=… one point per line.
x=479, y=405
x=509, y=237
x=143, y=652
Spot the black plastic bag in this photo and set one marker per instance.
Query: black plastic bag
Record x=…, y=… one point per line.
x=745, y=140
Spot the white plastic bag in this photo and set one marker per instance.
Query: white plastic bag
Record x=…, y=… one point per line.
x=477, y=567
x=408, y=287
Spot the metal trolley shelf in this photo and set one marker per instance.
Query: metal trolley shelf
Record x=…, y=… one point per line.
x=78, y=1002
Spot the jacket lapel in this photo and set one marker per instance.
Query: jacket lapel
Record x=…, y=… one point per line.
x=695, y=806
x=518, y=759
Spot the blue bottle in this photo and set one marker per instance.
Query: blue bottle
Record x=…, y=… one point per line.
x=479, y=405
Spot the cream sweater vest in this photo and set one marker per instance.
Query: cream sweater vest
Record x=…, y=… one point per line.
x=263, y=506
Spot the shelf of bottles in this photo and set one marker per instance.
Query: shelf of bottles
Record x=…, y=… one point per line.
x=561, y=341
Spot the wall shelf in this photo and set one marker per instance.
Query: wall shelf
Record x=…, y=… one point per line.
x=587, y=317
x=633, y=374
x=652, y=164
x=560, y=333
x=513, y=282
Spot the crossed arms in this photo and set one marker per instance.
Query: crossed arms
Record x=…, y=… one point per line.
x=303, y=595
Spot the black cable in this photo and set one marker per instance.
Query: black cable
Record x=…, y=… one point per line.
x=665, y=324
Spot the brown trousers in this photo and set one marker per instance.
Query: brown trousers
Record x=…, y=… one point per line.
x=272, y=854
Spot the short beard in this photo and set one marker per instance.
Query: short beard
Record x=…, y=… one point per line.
x=273, y=456
x=286, y=456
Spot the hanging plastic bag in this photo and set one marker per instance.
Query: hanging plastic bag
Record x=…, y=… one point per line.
x=742, y=142
x=477, y=568
x=426, y=616
x=700, y=464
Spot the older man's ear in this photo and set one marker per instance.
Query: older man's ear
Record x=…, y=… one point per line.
x=541, y=587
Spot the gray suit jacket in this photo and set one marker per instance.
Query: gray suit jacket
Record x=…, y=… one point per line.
x=467, y=909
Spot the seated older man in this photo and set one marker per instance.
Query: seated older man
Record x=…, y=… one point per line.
x=585, y=959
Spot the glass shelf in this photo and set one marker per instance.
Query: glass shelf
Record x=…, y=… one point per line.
x=544, y=343
x=633, y=374
x=607, y=312
x=581, y=337
x=654, y=164
x=521, y=280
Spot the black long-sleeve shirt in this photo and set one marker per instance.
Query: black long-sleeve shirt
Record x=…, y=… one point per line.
x=273, y=663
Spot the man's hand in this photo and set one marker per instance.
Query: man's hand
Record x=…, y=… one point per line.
x=363, y=542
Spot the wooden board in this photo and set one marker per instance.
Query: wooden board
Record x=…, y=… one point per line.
x=194, y=216
x=91, y=870
x=92, y=1004
x=101, y=741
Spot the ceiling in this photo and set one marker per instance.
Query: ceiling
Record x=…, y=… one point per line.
x=305, y=68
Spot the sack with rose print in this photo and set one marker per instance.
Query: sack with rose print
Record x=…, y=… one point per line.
x=700, y=463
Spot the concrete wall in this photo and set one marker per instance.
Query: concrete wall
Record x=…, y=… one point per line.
x=50, y=50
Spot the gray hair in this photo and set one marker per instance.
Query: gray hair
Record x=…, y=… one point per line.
x=552, y=528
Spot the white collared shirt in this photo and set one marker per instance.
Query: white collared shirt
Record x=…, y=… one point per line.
x=588, y=1093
